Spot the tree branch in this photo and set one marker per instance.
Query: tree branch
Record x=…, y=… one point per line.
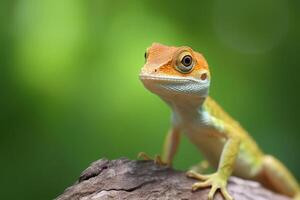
x=131, y=179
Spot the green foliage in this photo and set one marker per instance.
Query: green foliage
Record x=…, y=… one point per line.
x=70, y=92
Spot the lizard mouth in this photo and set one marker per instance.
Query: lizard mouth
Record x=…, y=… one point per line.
x=169, y=85
x=169, y=79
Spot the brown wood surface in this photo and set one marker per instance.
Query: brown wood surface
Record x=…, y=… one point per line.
x=131, y=179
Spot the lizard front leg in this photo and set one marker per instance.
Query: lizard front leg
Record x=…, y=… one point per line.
x=218, y=180
x=169, y=148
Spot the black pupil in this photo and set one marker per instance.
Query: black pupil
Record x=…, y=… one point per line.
x=187, y=61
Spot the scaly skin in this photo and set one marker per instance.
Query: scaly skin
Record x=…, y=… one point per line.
x=181, y=77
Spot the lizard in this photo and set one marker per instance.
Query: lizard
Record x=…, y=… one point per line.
x=181, y=77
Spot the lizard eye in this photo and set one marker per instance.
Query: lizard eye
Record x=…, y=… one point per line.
x=146, y=55
x=185, y=62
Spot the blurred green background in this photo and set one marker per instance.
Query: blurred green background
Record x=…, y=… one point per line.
x=70, y=92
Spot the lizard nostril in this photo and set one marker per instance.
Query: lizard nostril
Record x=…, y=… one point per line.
x=203, y=76
x=155, y=70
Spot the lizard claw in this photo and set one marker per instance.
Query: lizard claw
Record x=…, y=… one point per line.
x=144, y=156
x=193, y=174
x=157, y=159
x=214, y=180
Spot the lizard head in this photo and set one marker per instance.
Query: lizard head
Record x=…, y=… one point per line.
x=175, y=71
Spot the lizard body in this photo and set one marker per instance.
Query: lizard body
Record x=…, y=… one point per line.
x=181, y=77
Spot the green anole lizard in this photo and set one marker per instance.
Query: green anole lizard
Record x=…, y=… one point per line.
x=181, y=77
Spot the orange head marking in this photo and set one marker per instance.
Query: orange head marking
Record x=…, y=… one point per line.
x=175, y=61
x=171, y=68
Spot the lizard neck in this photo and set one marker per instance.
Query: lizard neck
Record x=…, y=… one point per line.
x=186, y=108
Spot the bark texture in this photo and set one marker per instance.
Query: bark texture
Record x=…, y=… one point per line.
x=131, y=179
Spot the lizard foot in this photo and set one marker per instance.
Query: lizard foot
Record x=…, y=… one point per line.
x=157, y=159
x=215, y=180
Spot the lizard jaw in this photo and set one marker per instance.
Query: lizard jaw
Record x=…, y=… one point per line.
x=170, y=85
x=168, y=78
